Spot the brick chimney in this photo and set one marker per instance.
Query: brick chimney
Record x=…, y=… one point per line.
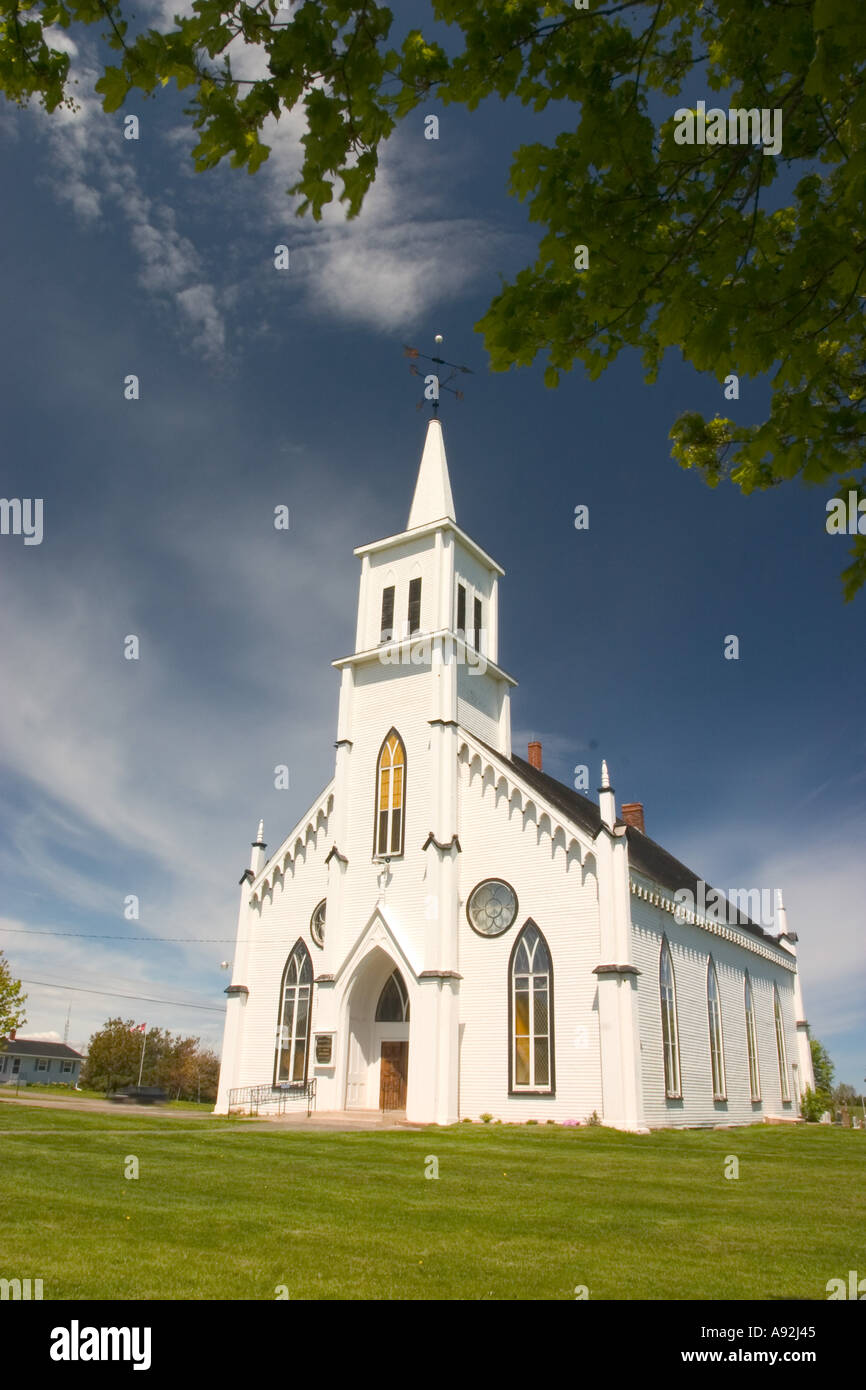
x=535, y=755
x=632, y=814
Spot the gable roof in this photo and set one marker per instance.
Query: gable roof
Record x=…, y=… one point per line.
x=35, y=1047
x=644, y=854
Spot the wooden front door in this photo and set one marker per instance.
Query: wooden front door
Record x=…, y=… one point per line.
x=392, y=1075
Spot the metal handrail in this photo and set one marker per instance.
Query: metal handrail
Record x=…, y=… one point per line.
x=273, y=1093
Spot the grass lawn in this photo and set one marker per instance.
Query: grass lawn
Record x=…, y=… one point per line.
x=60, y=1092
x=223, y=1210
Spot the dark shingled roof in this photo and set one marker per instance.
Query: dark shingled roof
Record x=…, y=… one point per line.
x=35, y=1047
x=578, y=808
x=644, y=854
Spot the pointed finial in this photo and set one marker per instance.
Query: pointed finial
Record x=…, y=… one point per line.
x=260, y=834
x=605, y=779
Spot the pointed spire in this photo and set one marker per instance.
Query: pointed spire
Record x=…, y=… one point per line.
x=432, y=500
x=606, y=799
x=257, y=857
x=781, y=914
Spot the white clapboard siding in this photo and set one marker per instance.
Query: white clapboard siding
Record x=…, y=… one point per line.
x=499, y=839
x=691, y=947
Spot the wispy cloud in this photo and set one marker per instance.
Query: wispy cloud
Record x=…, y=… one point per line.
x=93, y=169
x=405, y=253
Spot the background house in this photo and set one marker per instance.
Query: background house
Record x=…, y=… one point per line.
x=26, y=1061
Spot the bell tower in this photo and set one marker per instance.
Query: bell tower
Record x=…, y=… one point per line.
x=429, y=598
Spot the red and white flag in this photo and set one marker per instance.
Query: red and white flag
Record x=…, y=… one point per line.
x=139, y=1028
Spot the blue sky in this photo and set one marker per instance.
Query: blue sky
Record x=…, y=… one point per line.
x=261, y=387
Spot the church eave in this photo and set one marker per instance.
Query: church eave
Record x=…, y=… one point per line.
x=749, y=937
x=407, y=643
x=443, y=524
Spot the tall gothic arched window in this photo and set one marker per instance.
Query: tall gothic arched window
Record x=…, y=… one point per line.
x=670, y=1034
x=390, y=796
x=751, y=1041
x=717, y=1047
x=293, y=1032
x=531, y=1009
x=780, y=1046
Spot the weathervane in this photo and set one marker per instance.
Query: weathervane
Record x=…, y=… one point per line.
x=432, y=383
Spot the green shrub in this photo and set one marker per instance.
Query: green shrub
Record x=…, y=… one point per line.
x=814, y=1103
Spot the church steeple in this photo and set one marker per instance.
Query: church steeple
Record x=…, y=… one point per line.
x=432, y=500
x=428, y=600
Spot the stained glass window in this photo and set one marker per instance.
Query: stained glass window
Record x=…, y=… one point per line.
x=293, y=1034
x=389, y=801
x=317, y=923
x=780, y=1046
x=492, y=907
x=752, y=1041
x=717, y=1051
x=670, y=1038
x=393, y=1006
x=531, y=1012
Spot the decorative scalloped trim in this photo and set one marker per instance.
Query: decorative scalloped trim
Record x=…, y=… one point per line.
x=533, y=808
x=657, y=899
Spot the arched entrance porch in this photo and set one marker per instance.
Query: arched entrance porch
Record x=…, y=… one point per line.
x=377, y=1057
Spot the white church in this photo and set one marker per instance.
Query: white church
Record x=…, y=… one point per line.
x=449, y=932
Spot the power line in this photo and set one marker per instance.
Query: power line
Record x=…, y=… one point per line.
x=189, y=940
x=113, y=994
x=95, y=936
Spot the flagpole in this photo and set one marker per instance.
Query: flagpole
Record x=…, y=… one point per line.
x=141, y=1064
